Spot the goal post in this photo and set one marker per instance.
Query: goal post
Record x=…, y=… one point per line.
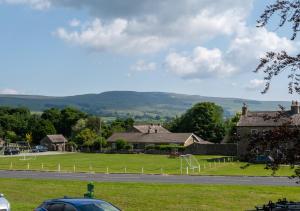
x=190, y=162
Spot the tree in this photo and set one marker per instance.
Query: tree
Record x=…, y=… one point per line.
x=11, y=136
x=54, y=116
x=282, y=141
x=275, y=63
x=204, y=119
x=2, y=133
x=94, y=123
x=100, y=143
x=86, y=137
x=69, y=117
x=28, y=138
x=231, y=128
x=79, y=126
x=41, y=128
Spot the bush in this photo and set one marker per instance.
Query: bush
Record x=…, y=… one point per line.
x=120, y=144
x=150, y=146
x=128, y=147
x=169, y=147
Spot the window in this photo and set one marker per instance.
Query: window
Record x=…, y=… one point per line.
x=56, y=207
x=69, y=207
x=254, y=131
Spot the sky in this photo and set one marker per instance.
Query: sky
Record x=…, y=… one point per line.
x=198, y=47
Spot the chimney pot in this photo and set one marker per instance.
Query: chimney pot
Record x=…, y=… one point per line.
x=244, y=109
x=295, y=108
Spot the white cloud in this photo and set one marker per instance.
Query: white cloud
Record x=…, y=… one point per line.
x=255, y=84
x=252, y=43
x=146, y=26
x=8, y=91
x=242, y=55
x=143, y=66
x=201, y=63
x=36, y=4
x=74, y=22
x=112, y=36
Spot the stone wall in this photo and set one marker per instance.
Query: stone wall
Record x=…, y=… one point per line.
x=244, y=134
x=212, y=149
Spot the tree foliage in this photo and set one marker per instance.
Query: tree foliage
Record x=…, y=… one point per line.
x=18, y=124
x=121, y=144
x=204, y=119
x=231, y=128
x=274, y=63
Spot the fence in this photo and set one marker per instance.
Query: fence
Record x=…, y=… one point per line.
x=204, y=165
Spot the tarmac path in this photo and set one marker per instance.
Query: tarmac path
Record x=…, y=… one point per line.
x=175, y=179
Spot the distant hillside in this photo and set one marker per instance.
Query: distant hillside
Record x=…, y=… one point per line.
x=141, y=105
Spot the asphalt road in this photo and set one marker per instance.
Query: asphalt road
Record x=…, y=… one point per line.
x=226, y=180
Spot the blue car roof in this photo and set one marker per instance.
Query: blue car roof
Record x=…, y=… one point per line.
x=76, y=201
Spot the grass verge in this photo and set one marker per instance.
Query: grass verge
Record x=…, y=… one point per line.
x=26, y=194
x=133, y=163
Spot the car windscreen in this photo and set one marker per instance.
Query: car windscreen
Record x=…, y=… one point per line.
x=98, y=206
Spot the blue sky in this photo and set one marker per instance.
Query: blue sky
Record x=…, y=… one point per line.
x=210, y=48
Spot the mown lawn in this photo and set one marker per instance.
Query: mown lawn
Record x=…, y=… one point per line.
x=26, y=194
x=135, y=163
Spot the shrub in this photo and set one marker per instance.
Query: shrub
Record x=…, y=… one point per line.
x=150, y=146
x=120, y=144
x=169, y=147
x=128, y=147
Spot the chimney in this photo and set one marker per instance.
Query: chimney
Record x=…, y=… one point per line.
x=295, y=108
x=244, y=109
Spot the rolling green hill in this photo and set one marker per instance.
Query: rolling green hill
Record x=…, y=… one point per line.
x=141, y=105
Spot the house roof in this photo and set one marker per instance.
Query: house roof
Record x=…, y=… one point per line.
x=166, y=138
x=268, y=119
x=57, y=138
x=150, y=128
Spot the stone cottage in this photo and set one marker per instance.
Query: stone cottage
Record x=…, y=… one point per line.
x=252, y=122
x=54, y=142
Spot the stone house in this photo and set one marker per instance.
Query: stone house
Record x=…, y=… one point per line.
x=54, y=142
x=142, y=135
x=252, y=122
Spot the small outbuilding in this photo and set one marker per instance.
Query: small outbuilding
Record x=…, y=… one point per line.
x=54, y=142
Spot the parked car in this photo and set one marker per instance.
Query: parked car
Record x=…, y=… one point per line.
x=4, y=204
x=39, y=148
x=76, y=204
x=11, y=151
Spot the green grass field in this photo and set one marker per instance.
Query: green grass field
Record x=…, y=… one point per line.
x=135, y=163
x=25, y=194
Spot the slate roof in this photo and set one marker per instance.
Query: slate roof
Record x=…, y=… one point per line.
x=153, y=129
x=163, y=138
x=268, y=119
x=57, y=139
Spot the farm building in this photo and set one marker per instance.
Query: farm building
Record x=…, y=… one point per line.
x=252, y=122
x=54, y=142
x=144, y=135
